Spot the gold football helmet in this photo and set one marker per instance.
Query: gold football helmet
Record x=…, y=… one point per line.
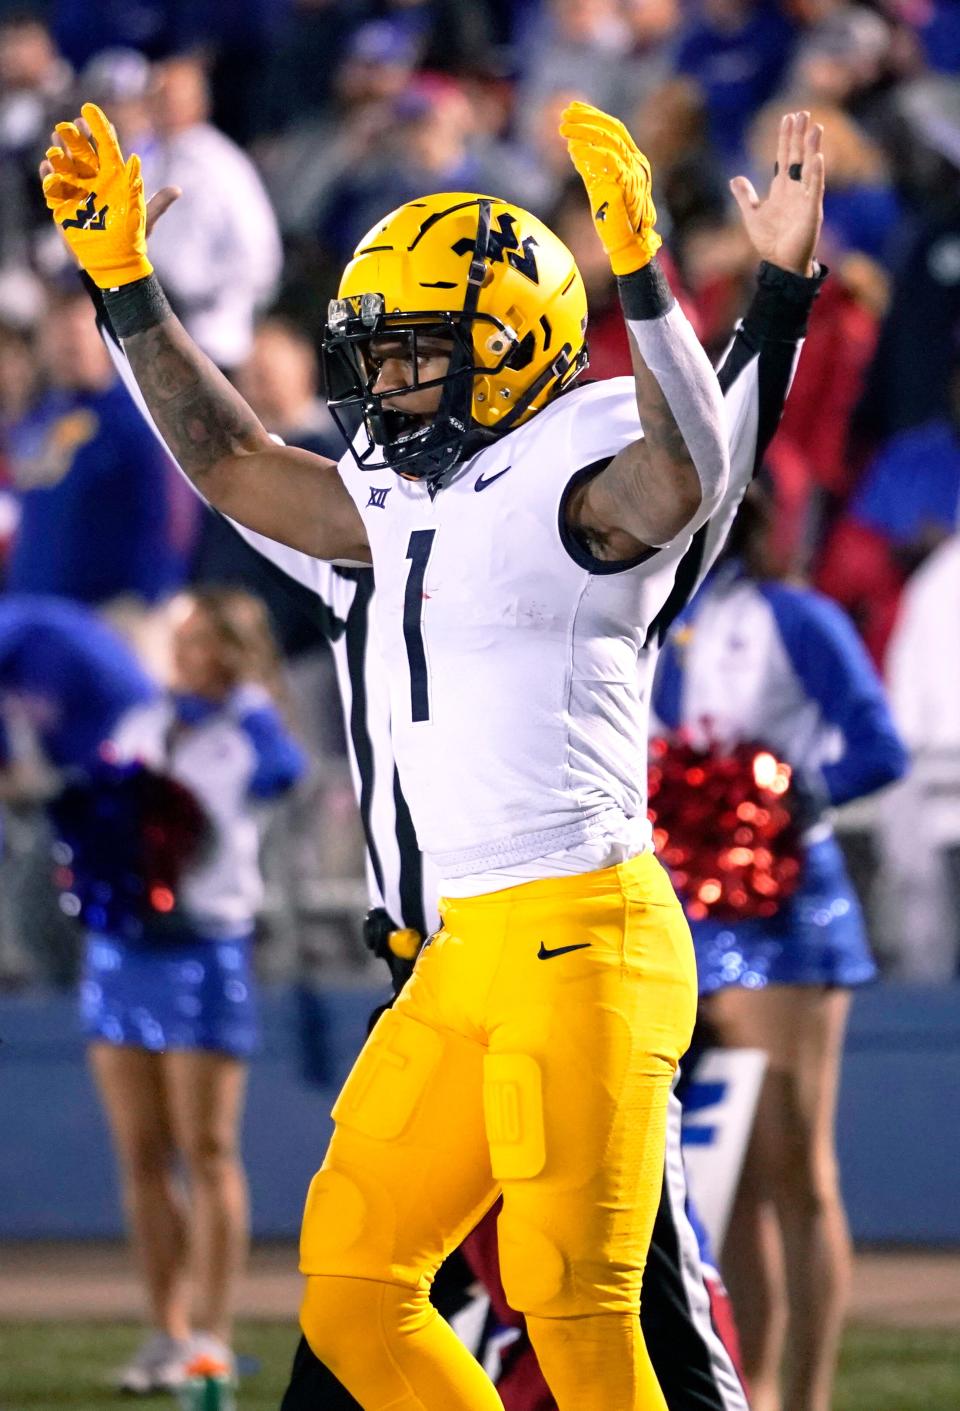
x=482, y=273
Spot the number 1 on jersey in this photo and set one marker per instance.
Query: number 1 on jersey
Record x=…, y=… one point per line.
x=418, y=552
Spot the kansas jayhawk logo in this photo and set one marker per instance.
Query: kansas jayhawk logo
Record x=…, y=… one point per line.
x=88, y=217
x=502, y=244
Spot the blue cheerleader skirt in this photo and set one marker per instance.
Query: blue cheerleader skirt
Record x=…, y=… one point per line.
x=185, y=992
x=816, y=938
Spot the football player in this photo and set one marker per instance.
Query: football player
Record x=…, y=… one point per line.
x=533, y=1050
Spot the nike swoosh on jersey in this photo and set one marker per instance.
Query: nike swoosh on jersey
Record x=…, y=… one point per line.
x=544, y=954
x=482, y=484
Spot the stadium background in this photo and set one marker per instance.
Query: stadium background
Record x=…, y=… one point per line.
x=321, y=116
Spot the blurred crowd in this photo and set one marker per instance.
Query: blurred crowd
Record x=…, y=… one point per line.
x=292, y=125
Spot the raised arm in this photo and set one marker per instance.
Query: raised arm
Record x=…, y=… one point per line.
x=670, y=478
x=758, y=367
x=285, y=493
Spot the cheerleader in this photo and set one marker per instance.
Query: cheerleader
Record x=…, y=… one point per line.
x=754, y=659
x=168, y=1003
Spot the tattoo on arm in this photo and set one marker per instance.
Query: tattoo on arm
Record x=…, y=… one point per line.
x=660, y=430
x=199, y=414
x=652, y=484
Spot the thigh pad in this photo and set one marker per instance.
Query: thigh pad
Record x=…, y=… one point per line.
x=380, y=1096
x=513, y=1115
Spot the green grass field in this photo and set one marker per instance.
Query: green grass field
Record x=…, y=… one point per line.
x=45, y=1365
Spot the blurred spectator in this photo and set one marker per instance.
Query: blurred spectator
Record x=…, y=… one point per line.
x=611, y=53
x=279, y=379
x=923, y=672
x=736, y=50
x=18, y=372
x=34, y=88
x=424, y=147
x=234, y=40
x=671, y=127
x=83, y=30
x=314, y=33
x=938, y=26
x=168, y=1000
x=119, y=81
x=451, y=37
x=534, y=170
x=905, y=505
x=842, y=60
x=376, y=68
x=65, y=680
x=218, y=253
x=908, y=381
x=66, y=675
x=101, y=512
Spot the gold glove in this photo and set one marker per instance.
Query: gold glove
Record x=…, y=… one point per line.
x=617, y=177
x=97, y=201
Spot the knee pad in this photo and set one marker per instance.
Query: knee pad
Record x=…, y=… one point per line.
x=546, y=1275
x=532, y=1267
x=340, y=1316
x=335, y=1219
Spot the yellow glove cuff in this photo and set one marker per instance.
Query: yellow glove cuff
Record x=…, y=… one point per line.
x=636, y=254
x=126, y=272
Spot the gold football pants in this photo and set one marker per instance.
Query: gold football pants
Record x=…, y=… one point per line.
x=531, y=1052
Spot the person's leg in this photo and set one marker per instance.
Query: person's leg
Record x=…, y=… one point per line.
x=792, y=1159
x=312, y=1385
x=130, y=1084
x=585, y=1036
x=753, y=1271
x=752, y=1254
x=205, y=1093
x=696, y=1369
x=406, y=1176
x=683, y=1305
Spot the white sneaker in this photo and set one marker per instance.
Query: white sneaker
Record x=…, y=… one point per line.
x=213, y=1349
x=158, y=1365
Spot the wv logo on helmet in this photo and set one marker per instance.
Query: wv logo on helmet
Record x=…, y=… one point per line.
x=88, y=217
x=502, y=244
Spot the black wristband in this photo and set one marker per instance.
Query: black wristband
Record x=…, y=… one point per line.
x=133, y=308
x=645, y=293
x=781, y=305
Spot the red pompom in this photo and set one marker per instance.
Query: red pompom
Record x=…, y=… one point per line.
x=723, y=826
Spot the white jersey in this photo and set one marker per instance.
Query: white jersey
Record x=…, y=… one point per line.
x=755, y=376
x=519, y=667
